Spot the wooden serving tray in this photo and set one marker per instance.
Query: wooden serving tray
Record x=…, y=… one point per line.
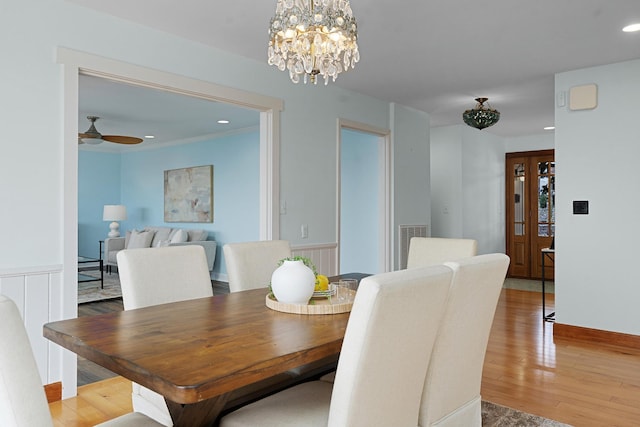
x=318, y=306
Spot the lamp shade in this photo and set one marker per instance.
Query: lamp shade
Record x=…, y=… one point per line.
x=114, y=213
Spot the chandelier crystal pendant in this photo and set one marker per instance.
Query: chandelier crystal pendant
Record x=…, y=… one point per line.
x=312, y=38
x=481, y=116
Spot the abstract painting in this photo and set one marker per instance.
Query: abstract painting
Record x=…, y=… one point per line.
x=188, y=194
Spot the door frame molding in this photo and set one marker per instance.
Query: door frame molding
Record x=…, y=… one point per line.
x=75, y=63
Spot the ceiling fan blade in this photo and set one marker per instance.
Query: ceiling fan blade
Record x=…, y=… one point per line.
x=92, y=136
x=119, y=139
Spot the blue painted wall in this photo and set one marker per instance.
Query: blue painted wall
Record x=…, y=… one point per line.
x=359, y=202
x=140, y=187
x=98, y=185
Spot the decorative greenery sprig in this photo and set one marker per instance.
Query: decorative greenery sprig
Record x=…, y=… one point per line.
x=306, y=261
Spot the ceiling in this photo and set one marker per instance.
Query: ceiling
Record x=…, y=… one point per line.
x=140, y=111
x=435, y=56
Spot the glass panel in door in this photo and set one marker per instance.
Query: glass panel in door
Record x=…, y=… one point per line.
x=519, y=200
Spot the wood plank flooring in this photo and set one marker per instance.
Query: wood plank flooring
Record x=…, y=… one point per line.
x=576, y=382
x=579, y=383
x=89, y=372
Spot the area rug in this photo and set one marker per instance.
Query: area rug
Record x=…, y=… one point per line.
x=91, y=291
x=500, y=416
x=529, y=285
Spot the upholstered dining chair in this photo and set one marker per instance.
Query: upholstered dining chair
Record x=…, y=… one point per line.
x=382, y=365
x=425, y=251
x=251, y=264
x=451, y=395
x=152, y=276
x=22, y=399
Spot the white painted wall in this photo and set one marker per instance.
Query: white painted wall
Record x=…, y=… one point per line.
x=468, y=186
x=32, y=96
x=411, y=176
x=446, y=182
x=483, y=211
x=597, y=279
x=542, y=141
x=35, y=200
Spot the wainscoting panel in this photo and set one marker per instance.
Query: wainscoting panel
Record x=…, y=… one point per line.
x=406, y=232
x=324, y=256
x=37, y=292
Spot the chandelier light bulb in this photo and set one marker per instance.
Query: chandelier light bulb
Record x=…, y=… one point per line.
x=312, y=39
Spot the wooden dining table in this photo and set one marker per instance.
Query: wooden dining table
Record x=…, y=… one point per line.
x=197, y=352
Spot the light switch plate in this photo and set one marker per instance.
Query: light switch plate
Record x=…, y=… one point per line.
x=581, y=207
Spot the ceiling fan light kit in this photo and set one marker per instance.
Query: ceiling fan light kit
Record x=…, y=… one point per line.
x=92, y=136
x=481, y=116
x=313, y=38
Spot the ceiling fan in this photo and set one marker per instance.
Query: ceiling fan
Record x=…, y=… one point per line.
x=92, y=136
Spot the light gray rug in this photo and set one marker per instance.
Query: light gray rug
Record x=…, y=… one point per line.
x=91, y=291
x=529, y=285
x=494, y=415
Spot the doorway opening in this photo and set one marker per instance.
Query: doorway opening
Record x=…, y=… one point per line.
x=186, y=133
x=363, y=199
x=530, y=220
x=75, y=63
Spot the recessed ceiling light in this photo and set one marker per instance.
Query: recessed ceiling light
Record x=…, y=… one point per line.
x=149, y=136
x=550, y=128
x=223, y=121
x=631, y=28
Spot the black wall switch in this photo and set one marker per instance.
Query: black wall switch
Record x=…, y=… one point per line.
x=580, y=207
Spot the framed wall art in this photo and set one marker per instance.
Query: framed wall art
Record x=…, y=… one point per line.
x=188, y=194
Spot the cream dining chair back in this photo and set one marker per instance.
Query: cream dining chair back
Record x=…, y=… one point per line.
x=152, y=276
x=22, y=399
x=383, y=360
x=426, y=251
x=451, y=395
x=251, y=264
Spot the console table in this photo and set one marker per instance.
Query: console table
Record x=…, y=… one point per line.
x=550, y=254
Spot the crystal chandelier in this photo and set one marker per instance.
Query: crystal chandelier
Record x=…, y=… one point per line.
x=481, y=116
x=312, y=38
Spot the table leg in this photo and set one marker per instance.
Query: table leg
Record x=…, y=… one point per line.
x=203, y=413
x=551, y=316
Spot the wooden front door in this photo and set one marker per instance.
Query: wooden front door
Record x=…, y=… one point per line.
x=530, y=201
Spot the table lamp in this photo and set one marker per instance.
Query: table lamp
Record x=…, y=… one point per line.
x=114, y=213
